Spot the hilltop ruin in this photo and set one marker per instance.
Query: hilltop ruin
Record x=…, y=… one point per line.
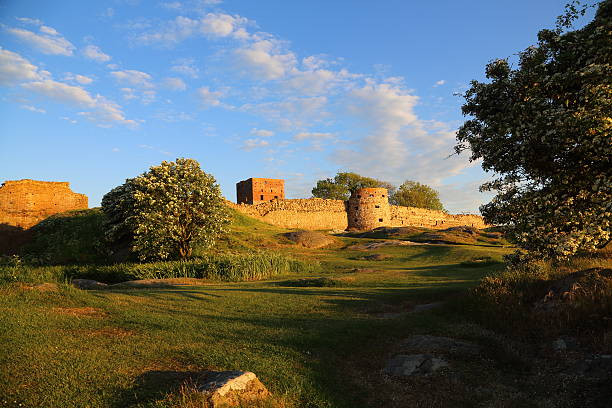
x=24, y=203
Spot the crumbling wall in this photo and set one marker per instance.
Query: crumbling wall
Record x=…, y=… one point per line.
x=24, y=203
x=308, y=214
x=321, y=214
x=421, y=217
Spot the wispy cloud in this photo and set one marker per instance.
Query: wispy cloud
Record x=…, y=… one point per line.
x=94, y=53
x=48, y=40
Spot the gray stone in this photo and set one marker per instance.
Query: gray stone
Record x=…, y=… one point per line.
x=425, y=342
x=414, y=364
x=232, y=388
x=88, y=284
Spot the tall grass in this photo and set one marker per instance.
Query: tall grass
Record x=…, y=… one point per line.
x=544, y=299
x=216, y=267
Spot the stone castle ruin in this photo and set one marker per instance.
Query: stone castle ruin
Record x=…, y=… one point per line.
x=367, y=208
x=24, y=203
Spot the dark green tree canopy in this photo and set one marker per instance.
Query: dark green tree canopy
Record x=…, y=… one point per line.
x=415, y=194
x=166, y=211
x=344, y=183
x=544, y=130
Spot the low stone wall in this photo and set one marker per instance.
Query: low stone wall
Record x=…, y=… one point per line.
x=24, y=203
x=421, y=217
x=320, y=214
x=308, y=214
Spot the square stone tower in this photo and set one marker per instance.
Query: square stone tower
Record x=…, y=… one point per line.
x=258, y=190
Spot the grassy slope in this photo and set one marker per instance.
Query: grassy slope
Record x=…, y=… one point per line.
x=128, y=348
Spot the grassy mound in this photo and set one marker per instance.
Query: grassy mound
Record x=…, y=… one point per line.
x=310, y=239
x=69, y=237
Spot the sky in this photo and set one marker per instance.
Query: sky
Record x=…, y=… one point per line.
x=94, y=92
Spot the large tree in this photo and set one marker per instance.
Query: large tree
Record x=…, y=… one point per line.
x=344, y=183
x=415, y=194
x=166, y=211
x=543, y=129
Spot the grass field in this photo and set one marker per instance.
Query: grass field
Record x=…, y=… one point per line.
x=314, y=339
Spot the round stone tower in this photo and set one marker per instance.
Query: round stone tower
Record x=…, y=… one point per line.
x=368, y=208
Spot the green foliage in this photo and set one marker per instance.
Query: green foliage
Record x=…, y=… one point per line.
x=216, y=267
x=344, y=183
x=539, y=298
x=70, y=237
x=166, y=211
x=226, y=267
x=544, y=129
x=415, y=194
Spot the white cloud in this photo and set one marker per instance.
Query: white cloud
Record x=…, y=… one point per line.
x=60, y=92
x=33, y=109
x=439, y=83
x=209, y=98
x=262, y=132
x=101, y=110
x=173, y=117
x=49, y=30
x=49, y=42
x=264, y=59
x=32, y=21
x=211, y=25
x=313, y=136
x=81, y=79
x=251, y=144
x=175, y=84
x=14, y=68
x=94, y=52
x=185, y=67
x=132, y=77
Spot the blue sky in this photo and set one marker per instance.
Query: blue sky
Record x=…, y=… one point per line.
x=94, y=92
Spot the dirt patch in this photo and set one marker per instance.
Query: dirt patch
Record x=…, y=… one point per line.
x=81, y=311
x=41, y=287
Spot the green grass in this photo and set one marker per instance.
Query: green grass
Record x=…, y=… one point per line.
x=309, y=329
x=294, y=336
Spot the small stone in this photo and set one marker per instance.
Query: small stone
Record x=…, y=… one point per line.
x=559, y=345
x=404, y=365
x=88, y=284
x=232, y=388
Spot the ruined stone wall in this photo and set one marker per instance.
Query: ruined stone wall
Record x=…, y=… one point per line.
x=320, y=214
x=24, y=203
x=308, y=214
x=421, y=217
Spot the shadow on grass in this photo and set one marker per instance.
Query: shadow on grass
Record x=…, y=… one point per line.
x=153, y=386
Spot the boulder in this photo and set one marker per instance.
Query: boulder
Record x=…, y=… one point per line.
x=232, y=388
x=310, y=239
x=404, y=365
x=88, y=284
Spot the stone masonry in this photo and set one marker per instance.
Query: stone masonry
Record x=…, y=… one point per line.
x=364, y=210
x=258, y=190
x=24, y=203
